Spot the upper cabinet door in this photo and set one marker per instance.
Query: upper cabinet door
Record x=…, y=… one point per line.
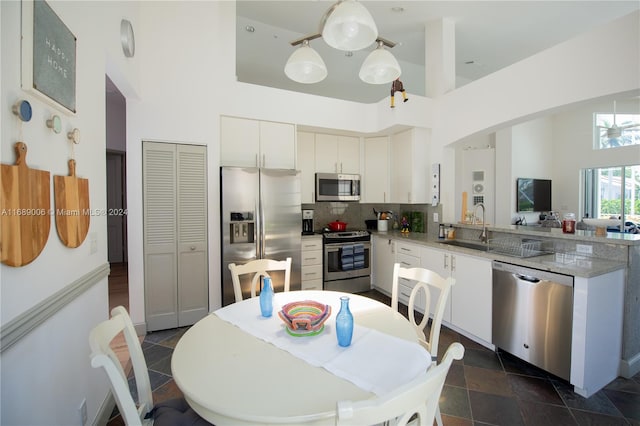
x=348, y=155
x=376, y=170
x=254, y=143
x=337, y=154
x=277, y=145
x=410, y=166
x=326, y=153
x=401, y=169
x=239, y=142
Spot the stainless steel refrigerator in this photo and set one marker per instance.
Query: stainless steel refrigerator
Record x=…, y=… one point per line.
x=261, y=219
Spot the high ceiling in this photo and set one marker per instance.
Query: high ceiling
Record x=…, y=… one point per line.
x=490, y=35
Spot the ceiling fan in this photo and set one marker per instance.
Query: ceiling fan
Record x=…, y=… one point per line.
x=615, y=131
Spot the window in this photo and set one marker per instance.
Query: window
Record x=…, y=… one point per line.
x=613, y=192
x=615, y=130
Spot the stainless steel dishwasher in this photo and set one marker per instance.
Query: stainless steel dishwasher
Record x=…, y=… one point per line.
x=533, y=316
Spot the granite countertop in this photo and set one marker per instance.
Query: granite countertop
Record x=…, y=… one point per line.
x=542, y=232
x=563, y=263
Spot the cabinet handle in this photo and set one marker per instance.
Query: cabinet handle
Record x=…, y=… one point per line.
x=257, y=163
x=405, y=263
x=192, y=247
x=384, y=197
x=264, y=160
x=335, y=167
x=409, y=196
x=446, y=261
x=405, y=249
x=340, y=167
x=453, y=263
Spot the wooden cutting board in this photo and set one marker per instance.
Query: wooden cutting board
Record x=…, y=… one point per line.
x=25, y=204
x=72, y=207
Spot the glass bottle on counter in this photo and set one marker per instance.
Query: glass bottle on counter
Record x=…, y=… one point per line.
x=344, y=323
x=266, y=298
x=569, y=223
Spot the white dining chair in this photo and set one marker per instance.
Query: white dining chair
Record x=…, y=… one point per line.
x=259, y=268
x=170, y=413
x=428, y=282
x=420, y=396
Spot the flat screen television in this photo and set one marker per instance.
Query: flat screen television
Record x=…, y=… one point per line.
x=533, y=195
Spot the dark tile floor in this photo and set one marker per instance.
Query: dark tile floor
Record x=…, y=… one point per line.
x=484, y=388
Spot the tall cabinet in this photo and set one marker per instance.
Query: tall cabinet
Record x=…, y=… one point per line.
x=410, y=167
x=376, y=170
x=175, y=234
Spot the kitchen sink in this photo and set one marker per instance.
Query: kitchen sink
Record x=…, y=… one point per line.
x=467, y=244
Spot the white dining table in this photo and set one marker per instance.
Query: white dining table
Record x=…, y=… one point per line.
x=230, y=374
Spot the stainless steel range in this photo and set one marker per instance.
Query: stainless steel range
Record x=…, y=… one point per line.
x=347, y=261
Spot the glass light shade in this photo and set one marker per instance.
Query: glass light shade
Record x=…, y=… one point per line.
x=380, y=67
x=305, y=65
x=349, y=26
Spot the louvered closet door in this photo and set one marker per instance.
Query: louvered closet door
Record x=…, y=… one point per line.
x=175, y=234
x=193, y=279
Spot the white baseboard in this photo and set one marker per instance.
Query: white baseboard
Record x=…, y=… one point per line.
x=104, y=412
x=631, y=367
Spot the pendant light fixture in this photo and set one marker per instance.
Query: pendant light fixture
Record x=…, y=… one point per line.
x=305, y=65
x=380, y=67
x=348, y=26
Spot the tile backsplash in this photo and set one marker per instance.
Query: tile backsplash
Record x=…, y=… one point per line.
x=355, y=214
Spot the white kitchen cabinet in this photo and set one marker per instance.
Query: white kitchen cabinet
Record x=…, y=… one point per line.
x=375, y=180
x=306, y=145
x=239, y=142
x=277, y=145
x=408, y=256
x=382, y=264
x=438, y=261
x=337, y=154
x=311, y=262
x=469, y=307
x=410, y=166
x=254, y=143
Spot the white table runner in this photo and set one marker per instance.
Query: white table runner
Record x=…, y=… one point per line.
x=375, y=361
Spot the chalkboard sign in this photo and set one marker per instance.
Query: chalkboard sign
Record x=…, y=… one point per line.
x=54, y=57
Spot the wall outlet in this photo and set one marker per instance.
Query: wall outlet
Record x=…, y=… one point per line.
x=584, y=249
x=83, y=412
x=436, y=219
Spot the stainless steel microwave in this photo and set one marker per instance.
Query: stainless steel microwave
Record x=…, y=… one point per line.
x=337, y=187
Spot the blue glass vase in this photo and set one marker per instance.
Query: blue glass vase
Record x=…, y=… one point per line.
x=344, y=323
x=266, y=298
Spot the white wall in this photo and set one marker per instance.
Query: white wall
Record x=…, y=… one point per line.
x=178, y=84
x=573, y=150
x=47, y=373
x=560, y=77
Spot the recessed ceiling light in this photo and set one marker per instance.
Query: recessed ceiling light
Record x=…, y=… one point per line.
x=250, y=29
x=397, y=9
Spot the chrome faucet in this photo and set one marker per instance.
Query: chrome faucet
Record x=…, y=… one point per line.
x=483, y=234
